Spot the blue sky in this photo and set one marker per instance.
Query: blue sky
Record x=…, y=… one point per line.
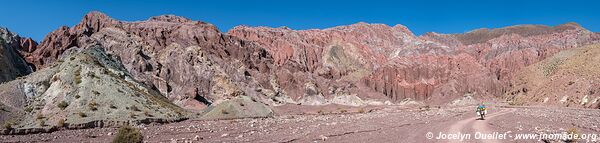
x=37, y=18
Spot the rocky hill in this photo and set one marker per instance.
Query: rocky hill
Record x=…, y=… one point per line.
x=12, y=65
x=569, y=78
x=83, y=88
x=190, y=62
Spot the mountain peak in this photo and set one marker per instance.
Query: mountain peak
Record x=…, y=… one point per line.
x=570, y=25
x=93, y=21
x=170, y=18
x=96, y=15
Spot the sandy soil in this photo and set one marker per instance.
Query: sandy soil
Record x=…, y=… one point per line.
x=368, y=124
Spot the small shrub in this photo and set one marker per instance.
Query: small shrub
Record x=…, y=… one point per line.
x=321, y=112
x=28, y=109
x=178, y=113
x=62, y=105
x=8, y=125
x=128, y=134
x=134, y=108
x=42, y=123
x=77, y=79
x=93, y=106
x=425, y=108
x=81, y=114
x=77, y=96
x=361, y=110
x=343, y=111
x=40, y=116
x=92, y=75
x=95, y=92
x=60, y=123
x=132, y=115
x=148, y=114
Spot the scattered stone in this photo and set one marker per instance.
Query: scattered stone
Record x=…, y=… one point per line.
x=323, y=137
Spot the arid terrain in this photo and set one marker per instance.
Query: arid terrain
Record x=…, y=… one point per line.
x=369, y=124
x=180, y=80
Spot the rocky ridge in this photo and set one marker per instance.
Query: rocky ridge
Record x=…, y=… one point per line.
x=434, y=67
x=194, y=65
x=84, y=88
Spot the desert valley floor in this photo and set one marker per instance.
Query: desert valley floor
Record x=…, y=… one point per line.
x=346, y=124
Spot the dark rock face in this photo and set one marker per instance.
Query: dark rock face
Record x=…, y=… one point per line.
x=12, y=64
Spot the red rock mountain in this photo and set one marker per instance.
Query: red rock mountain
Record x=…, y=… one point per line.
x=433, y=67
x=194, y=64
x=190, y=62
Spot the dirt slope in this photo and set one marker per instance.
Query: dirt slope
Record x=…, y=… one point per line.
x=569, y=78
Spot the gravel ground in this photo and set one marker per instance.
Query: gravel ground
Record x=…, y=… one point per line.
x=372, y=124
